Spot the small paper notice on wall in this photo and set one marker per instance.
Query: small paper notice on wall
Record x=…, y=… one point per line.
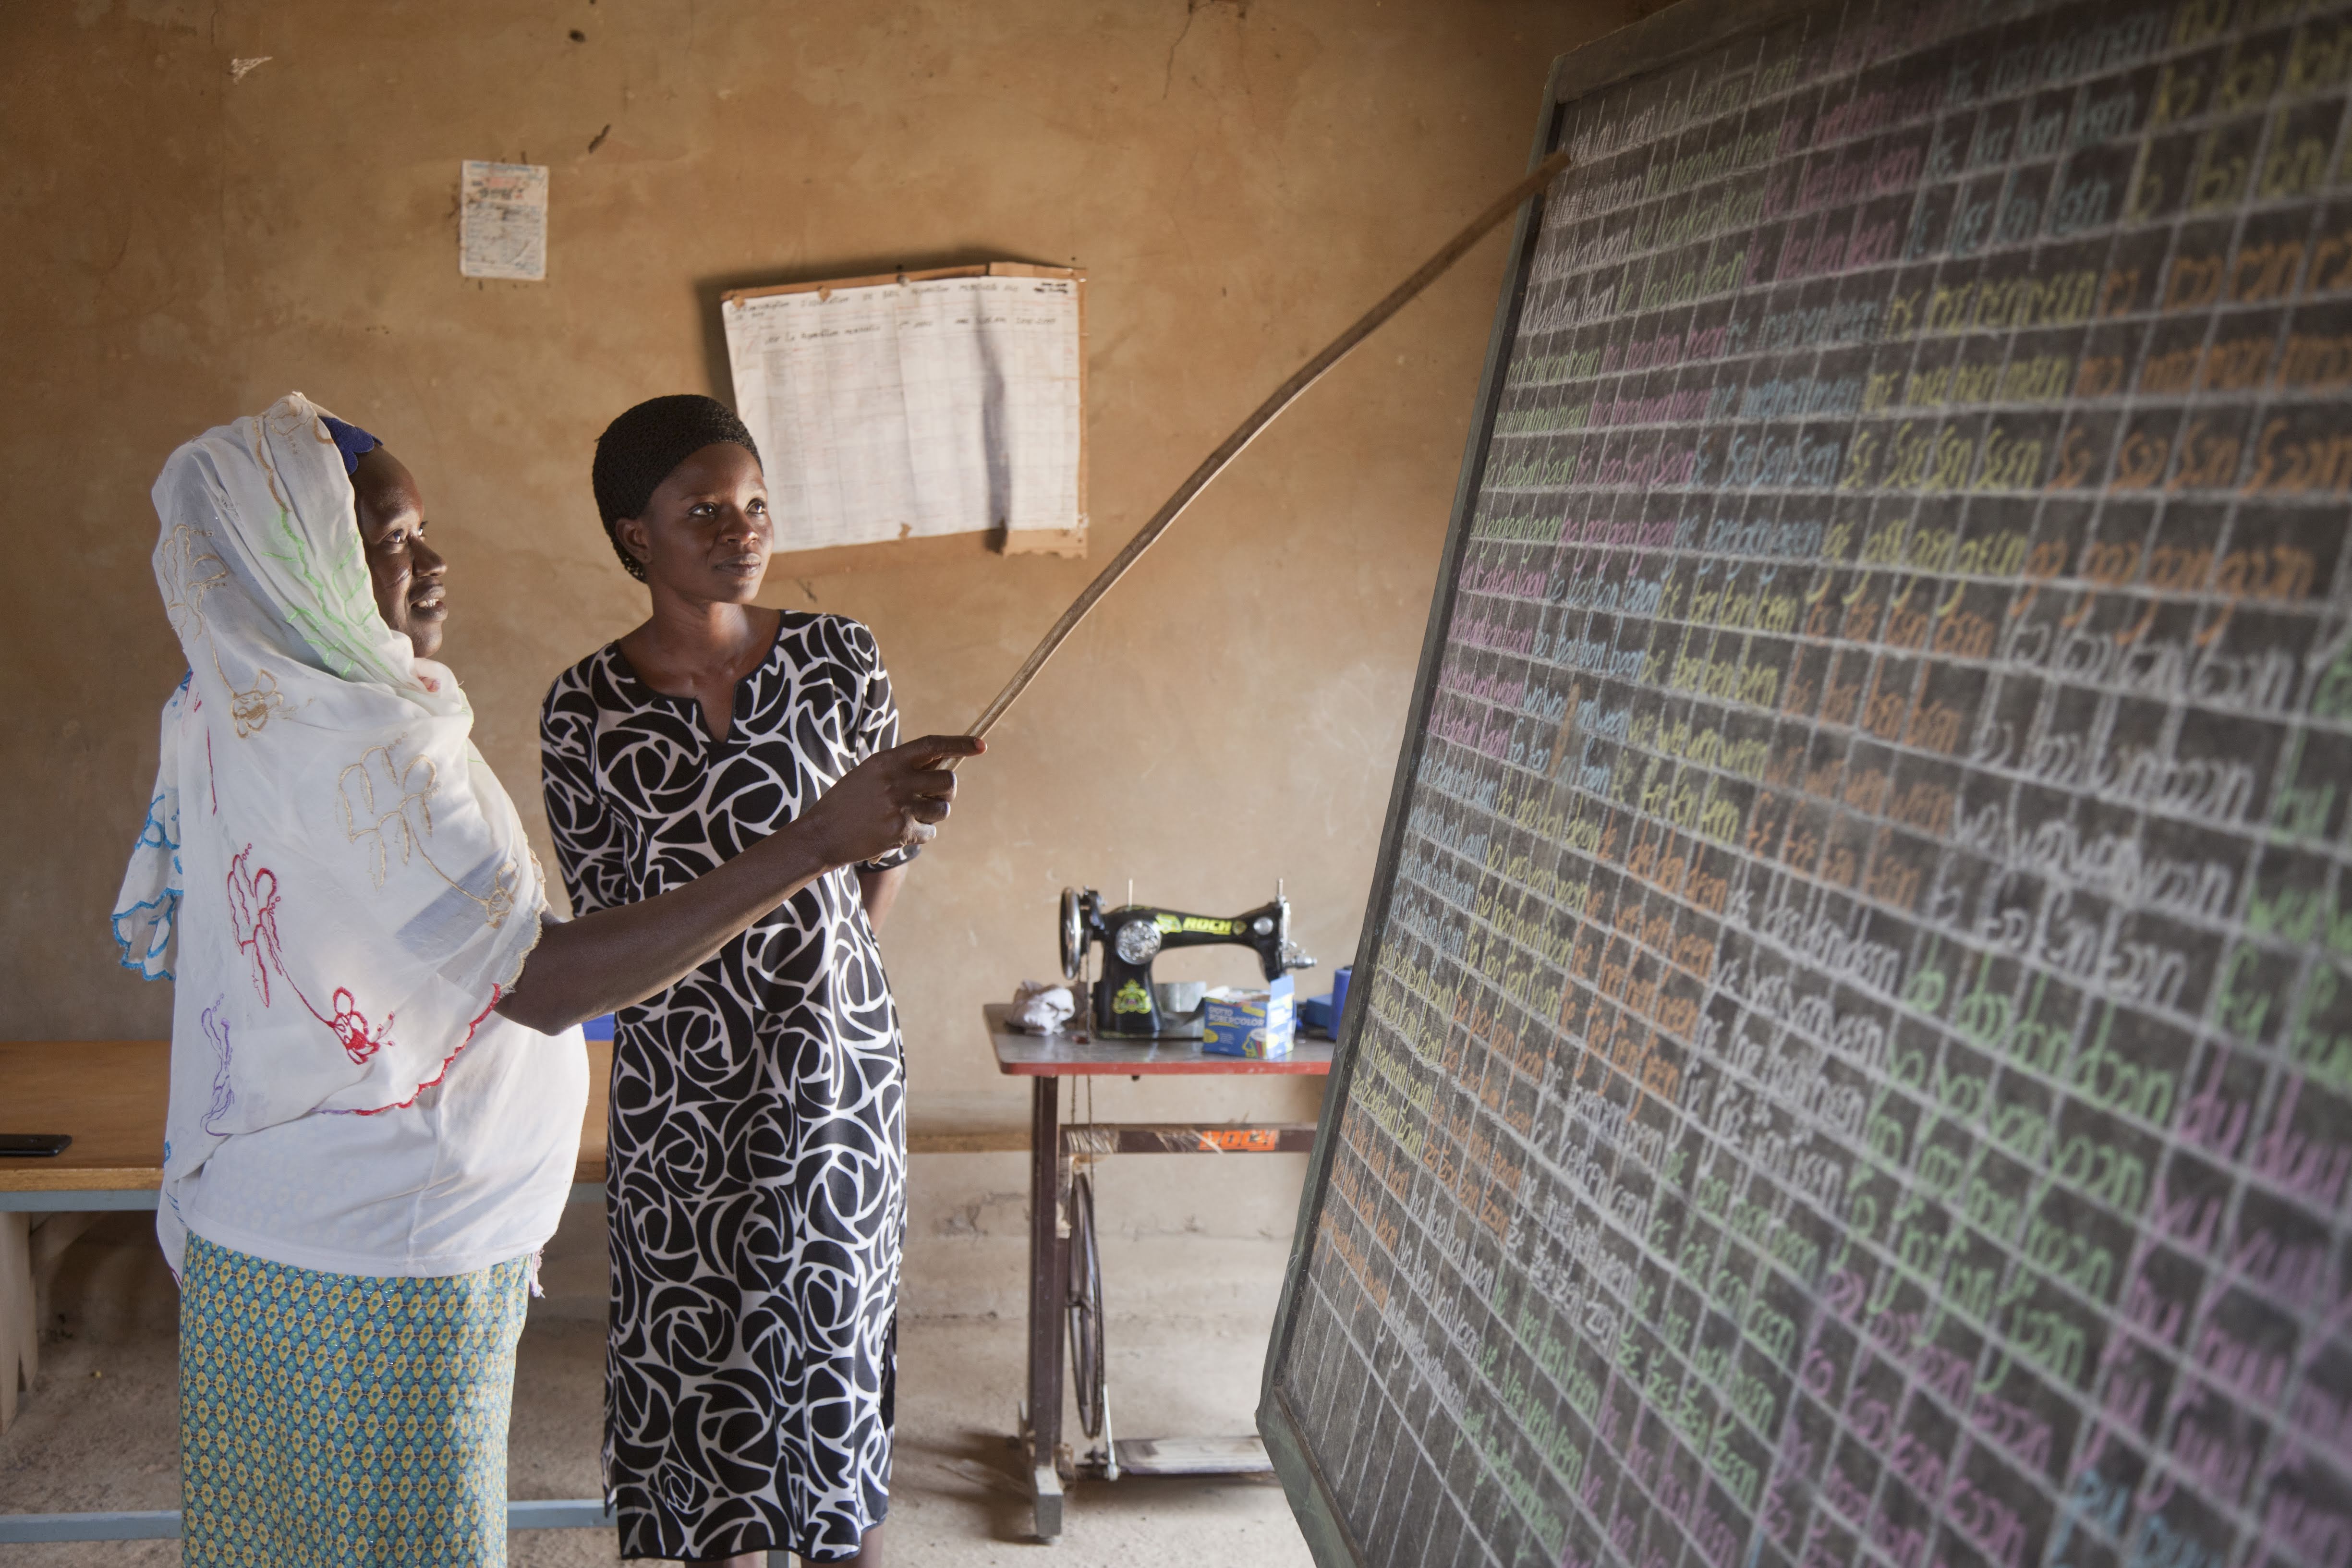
x=502, y=221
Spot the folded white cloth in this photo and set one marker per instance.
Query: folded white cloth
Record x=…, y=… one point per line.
x=1043, y=1006
x=328, y=870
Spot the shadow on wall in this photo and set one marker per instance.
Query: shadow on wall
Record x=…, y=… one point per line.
x=107, y=1283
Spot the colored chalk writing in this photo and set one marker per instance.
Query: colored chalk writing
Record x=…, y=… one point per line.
x=1855, y=1055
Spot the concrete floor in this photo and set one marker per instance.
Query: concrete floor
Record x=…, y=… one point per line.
x=1190, y=1310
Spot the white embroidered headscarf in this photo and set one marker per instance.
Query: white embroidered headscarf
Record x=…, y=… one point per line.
x=329, y=873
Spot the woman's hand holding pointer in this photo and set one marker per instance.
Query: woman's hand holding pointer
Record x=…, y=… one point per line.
x=614, y=958
x=891, y=800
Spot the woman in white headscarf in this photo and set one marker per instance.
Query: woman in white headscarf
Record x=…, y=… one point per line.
x=377, y=1078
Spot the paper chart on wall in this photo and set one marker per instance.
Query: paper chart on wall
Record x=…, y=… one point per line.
x=502, y=221
x=914, y=407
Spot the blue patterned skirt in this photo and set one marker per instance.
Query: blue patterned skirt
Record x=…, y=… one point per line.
x=335, y=1419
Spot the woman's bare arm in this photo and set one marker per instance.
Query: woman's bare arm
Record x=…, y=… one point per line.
x=613, y=958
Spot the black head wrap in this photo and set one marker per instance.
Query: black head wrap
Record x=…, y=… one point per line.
x=643, y=447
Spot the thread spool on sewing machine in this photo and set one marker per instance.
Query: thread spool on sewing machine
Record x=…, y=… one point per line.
x=1126, y=1005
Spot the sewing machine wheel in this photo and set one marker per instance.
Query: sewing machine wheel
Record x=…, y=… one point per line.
x=1074, y=933
x=1089, y=1374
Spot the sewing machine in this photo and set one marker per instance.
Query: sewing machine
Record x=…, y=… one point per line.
x=1126, y=1007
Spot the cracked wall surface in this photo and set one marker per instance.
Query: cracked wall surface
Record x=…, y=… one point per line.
x=209, y=205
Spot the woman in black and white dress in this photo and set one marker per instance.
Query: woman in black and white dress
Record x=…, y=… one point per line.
x=757, y=1133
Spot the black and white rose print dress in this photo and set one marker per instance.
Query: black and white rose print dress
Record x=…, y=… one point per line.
x=757, y=1188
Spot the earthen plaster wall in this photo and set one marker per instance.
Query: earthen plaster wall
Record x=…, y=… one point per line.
x=1239, y=177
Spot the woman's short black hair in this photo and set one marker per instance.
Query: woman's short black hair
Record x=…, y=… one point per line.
x=644, y=446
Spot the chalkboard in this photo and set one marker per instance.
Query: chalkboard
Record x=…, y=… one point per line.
x=1851, y=1054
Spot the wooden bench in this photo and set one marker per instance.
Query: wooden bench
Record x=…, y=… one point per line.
x=110, y=1096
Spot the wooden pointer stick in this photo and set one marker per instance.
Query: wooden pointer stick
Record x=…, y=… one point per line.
x=1284, y=396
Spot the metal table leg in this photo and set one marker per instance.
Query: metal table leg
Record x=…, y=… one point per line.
x=1045, y=1287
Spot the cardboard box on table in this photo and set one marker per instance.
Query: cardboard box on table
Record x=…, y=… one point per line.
x=1257, y=1024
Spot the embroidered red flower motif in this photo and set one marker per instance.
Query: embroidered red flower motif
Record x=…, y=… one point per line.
x=351, y=1027
x=253, y=915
